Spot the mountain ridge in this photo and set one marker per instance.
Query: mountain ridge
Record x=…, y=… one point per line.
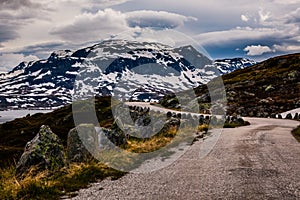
x=49, y=82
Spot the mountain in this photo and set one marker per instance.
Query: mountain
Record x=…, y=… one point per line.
x=261, y=90
x=129, y=70
x=226, y=66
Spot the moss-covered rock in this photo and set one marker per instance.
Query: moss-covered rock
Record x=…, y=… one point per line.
x=44, y=151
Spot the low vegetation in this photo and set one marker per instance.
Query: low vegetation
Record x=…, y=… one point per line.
x=52, y=186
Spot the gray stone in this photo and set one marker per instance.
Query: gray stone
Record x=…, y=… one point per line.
x=289, y=116
x=82, y=143
x=44, y=152
x=296, y=117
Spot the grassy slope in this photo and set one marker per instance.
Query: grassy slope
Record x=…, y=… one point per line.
x=272, y=86
x=15, y=134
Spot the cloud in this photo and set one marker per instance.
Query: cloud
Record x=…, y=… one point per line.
x=108, y=22
x=220, y=23
x=257, y=50
x=16, y=14
x=17, y=4
x=7, y=32
x=89, y=26
x=238, y=34
x=40, y=49
x=287, y=48
x=244, y=18
x=294, y=17
x=10, y=60
x=263, y=15
x=158, y=19
x=286, y=2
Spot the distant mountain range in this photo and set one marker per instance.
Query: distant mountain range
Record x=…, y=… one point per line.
x=129, y=70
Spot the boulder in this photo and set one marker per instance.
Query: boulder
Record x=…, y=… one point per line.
x=82, y=143
x=44, y=152
x=296, y=117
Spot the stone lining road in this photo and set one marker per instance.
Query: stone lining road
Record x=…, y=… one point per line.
x=260, y=161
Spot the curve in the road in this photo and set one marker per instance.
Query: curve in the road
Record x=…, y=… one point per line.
x=260, y=161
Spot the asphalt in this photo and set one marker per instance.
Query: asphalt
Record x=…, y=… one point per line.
x=260, y=161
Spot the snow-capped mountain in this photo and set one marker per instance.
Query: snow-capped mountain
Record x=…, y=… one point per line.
x=226, y=66
x=128, y=70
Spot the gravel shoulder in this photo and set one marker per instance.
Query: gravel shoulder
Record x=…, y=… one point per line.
x=260, y=161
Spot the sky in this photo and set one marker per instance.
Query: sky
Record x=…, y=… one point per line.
x=257, y=29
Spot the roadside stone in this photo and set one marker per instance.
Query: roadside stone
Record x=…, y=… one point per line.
x=44, y=152
x=296, y=117
x=289, y=116
x=82, y=143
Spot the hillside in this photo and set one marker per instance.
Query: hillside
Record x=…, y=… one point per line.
x=267, y=88
x=15, y=134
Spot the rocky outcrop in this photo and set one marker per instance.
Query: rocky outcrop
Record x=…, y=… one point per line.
x=82, y=143
x=44, y=152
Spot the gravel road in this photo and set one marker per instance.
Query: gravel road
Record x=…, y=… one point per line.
x=260, y=161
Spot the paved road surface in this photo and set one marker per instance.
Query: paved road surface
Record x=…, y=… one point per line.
x=261, y=161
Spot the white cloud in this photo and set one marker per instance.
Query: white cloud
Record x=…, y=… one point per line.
x=287, y=48
x=263, y=15
x=257, y=50
x=89, y=26
x=109, y=22
x=161, y=19
x=237, y=34
x=286, y=2
x=244, y=18
x=11, y=60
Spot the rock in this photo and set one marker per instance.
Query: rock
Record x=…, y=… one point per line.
x=289, y=116
x=116, y=135
x=201, y=119
x=82, y=143
x=214, y=121
x=44, y=152
x=173, y=122
x=296, y=117
x=169, y=114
